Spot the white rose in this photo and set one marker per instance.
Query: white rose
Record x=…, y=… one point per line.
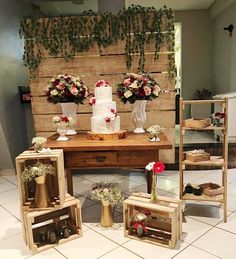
x=149, y=166
x=54, y=92
x=156, y=90
x=134, y=85
x=106, y=190
x=127, y=94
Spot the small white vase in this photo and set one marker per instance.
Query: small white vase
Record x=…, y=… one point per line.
x=62, y=134
x=69, y=110
x=138, y=116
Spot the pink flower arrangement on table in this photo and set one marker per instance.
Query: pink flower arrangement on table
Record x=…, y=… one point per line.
x=138, y=87
x=66, y=88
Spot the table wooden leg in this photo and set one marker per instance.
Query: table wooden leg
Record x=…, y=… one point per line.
x=69, y=181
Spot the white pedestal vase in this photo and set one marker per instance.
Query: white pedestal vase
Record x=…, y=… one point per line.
x=62, y=133
x=69, y=110
x=138, y=116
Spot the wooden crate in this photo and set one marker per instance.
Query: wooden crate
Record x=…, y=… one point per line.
x=55, y=183
x=37, y=222
x=165, y=226
x=197, y=123
x=197, y=157
x=212, y=189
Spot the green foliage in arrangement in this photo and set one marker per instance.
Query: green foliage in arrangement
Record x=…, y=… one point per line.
x=67, y=36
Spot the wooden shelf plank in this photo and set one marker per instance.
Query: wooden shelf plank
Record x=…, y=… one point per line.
x=214, y=161
x=207, y=128
x=203, y=197
x=203, y=101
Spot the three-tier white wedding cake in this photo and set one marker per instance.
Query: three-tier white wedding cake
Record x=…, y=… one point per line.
x=105, y=119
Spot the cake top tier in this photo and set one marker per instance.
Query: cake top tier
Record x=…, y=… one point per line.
x=102, y=83
x=103, y=91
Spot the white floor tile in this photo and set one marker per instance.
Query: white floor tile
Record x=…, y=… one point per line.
x=173, y=177
x=51, y=253
x=11, y=178
x=115, y=233
x=231, y=203
x=119, y=253
x=231, y=189
x=83, y=187
x=13, y=207
x=2, y=180
x=218, y=242
x=6, y=186
x=9, y=196
x=230, y=225
x=85, y=202
x=14, y=247
x=206, y=213
x=4, y=214
x=150, y=251
x=90, y=245
x=166, y=184
x=193, y=229
x=194, y=253
x=9, y=227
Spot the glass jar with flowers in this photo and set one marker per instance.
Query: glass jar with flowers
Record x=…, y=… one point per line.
x=67, y=90
x=137, y=89
x=62, y=123
x=38, y=172
x=153, y=132
x=154, y=168
x=110, y=195
x=217, y=119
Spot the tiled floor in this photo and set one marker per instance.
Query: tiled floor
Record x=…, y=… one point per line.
x=205, y=236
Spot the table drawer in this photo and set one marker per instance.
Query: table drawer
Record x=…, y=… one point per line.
x=90, y=158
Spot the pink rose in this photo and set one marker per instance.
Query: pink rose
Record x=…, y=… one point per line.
x=147, y=90
x=102, y=83
x=107, y=119
x=92, y=101
x=74, y=90
x=127, y=82
x=60, y=86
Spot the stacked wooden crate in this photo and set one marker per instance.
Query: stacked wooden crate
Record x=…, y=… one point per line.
x=165, y=224
x=63, y=212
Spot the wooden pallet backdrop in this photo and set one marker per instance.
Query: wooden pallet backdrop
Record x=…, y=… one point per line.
x=111, y=66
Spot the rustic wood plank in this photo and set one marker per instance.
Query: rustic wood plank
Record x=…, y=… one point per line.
x=164, y=118
x=99, y=65
x=165, y=101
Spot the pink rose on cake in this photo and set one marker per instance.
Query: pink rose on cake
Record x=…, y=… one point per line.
x=102, y=83
x=92, y=101
x=111, y=117
x=138, y=87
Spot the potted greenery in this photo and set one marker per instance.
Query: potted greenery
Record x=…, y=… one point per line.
x=38, y=172
x=110, y=195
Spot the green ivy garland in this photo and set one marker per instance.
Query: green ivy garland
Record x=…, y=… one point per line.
x=67, y=36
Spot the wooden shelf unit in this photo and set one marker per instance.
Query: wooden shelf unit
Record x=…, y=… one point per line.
x=214, y=161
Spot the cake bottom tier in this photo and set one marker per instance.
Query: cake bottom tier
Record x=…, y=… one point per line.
x=99, y=125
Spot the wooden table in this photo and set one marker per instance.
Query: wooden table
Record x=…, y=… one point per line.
x=135, y=151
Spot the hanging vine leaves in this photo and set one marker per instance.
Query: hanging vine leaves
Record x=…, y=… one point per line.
x=67, y=36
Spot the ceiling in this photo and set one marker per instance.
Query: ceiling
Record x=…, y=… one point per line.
x=59, y=7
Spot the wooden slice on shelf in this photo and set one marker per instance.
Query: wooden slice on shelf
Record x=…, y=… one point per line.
x=98, y=136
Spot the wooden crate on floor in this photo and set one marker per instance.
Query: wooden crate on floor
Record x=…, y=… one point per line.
x=39, y=225
x=55, y=183
x=165, y=226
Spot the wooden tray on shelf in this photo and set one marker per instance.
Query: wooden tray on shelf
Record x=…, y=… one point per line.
x=197, y=157
x=197, y=123
x=212, y=189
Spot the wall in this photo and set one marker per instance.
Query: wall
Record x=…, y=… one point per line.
x=224, y=49
x=12, y=73
x=196, y=51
